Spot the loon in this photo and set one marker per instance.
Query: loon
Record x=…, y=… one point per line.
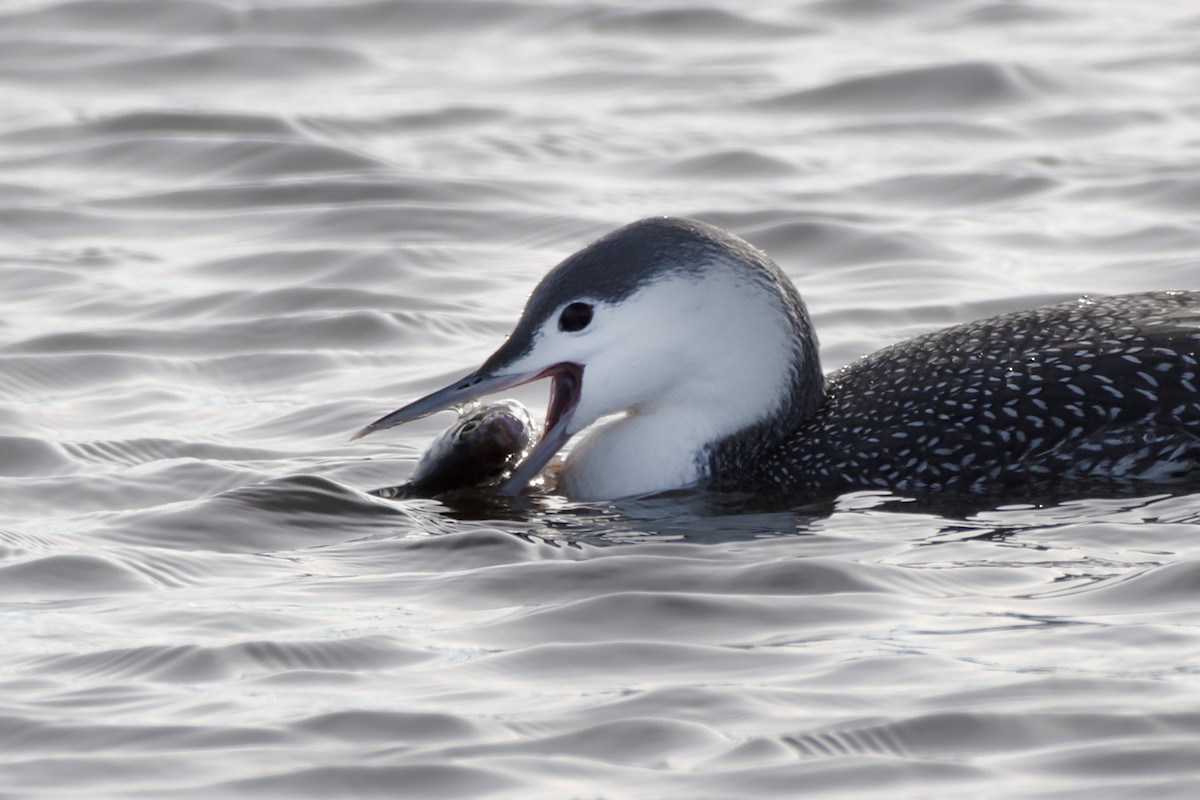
x=476, y=452
x=704, y=348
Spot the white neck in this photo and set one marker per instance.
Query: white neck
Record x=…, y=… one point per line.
x=709, y=359
x=637, y=454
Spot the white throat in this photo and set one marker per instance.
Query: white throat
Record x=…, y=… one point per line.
x=635, y=455
x=695, y=361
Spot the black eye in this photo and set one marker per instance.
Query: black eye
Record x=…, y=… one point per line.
x=575, y=317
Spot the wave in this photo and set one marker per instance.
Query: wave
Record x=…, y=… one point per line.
x=939, y=88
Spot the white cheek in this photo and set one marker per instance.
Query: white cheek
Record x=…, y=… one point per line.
x=551, y=347
x=705, y=355
x=614, y=385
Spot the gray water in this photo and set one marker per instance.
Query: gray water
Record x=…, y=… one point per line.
x=234, y=231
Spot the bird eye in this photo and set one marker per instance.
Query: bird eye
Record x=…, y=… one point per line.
x=575, y=317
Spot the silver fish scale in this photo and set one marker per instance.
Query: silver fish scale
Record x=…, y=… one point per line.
x=463, y=458
x=1093, y=389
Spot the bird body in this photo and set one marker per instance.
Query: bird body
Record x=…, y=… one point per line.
x=697, y=355
x=1094, y=389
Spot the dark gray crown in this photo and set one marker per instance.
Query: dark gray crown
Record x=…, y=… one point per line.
x=637, y=255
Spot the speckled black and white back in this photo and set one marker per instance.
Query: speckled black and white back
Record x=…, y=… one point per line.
x=1094, y=389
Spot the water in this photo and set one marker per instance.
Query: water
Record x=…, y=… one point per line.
x=232, y=233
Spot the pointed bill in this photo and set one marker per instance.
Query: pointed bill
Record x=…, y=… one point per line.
x=477, y=384
x=565, y=391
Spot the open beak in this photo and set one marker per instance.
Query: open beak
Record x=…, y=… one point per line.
x=565, y=391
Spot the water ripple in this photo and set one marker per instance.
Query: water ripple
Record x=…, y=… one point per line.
x=234, y=231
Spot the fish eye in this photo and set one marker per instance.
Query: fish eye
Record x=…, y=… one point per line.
x=575, y=317
x=467, y=427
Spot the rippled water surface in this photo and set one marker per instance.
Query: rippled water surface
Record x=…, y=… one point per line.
x=234, y=231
